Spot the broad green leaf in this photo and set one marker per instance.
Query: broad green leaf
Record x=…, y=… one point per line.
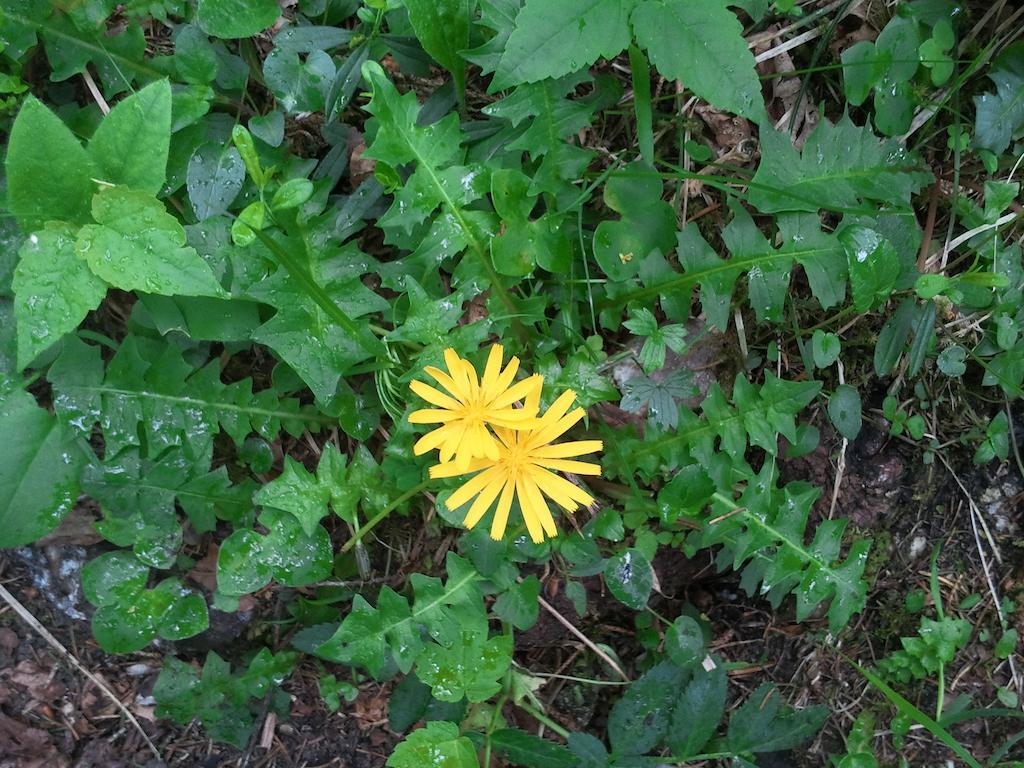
x=697, y=711
x=236, y=18
x=214, y=179
x=38, y=471
x=137, y=245
x=299, y=84
x=131, y=144
x=862, y=68
x=436, y=744
x=525, y=749
x=555, y=37
x=897, y=46
x=839, y=166
x=639, y=720
x=825, y=348
x=844, y=409
x=442, y=27
x=54, y=289
x=647, y=222
x=701, y=43
x=113, y=577
x=873, y=264
x=630, y=578
x=242, y=565
x=49, y=174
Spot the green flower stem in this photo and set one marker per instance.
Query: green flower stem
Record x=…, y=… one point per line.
x=536, y=714
x=379, y=517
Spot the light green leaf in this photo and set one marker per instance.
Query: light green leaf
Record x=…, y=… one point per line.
x=38, y=471
x=131, y=144
x=54, y=289
x=236, y=18
x=701, y=43
x=555, y=37
x=437, y=744
x=49, y=174
x=137, y=245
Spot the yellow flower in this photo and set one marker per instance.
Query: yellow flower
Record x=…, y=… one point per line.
x=471, y=406
x=523, y=469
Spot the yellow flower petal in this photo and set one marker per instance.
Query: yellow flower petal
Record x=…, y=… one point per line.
x=567, y=465
x=501, y=512
x=434, y=397
x=565, y=450
x=432, y=416
x=486, y=498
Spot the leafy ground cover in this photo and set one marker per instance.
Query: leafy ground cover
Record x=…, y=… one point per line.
x=511, y=382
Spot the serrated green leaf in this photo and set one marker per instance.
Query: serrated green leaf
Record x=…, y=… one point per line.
x=518, y=604
x=698, y=711
x=141, y=120
x=472, y=667
x=701, y=43
x=840, y=165
x=999, y=115
x=555, y=37
x=639, y=720
x=296, y=491
x=54, y=290
x=49, y=174
x=763, y=725
x=367, y=633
